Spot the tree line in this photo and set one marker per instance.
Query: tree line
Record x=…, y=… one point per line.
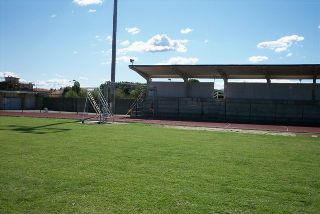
x=124, y=90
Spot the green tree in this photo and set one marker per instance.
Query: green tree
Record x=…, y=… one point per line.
x=137, y=91
x=76, y=87
x=193, y=80
x=74, y=91
x=66, y=90
x=125, y=90
x=71, y=93
x=95, y=93
x=82, y=93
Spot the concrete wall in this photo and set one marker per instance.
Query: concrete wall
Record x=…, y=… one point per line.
x=2, y=106
x=182, y=89
x=264, y=111
x=29, y=101
x=78, y=104
x=200, y=89
x=317, y=91
x=170, y=89
x=273, y=91
x=17, y=101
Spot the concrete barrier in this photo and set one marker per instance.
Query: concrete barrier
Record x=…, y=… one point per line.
x=78, y=104
x=238, y=110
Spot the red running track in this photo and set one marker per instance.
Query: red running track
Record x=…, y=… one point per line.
x=121, y=118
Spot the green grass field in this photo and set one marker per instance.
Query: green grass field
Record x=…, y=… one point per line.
x=61, y=166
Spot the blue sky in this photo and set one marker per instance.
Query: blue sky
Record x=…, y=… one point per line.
x=50, y=42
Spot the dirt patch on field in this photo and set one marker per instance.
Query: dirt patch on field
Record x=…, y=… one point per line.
x=231, y=130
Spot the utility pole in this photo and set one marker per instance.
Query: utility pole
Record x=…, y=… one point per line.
x=114, y=54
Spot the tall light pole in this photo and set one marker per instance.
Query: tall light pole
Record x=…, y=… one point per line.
x=114, y=54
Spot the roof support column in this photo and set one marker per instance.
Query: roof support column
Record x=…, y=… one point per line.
x=314, y=82
x=149, y=86
x=268, y=79
x=181, y=74
x=186, y=83
x=225, y=85
x=225, y=81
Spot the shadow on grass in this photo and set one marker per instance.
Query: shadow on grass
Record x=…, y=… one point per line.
x=44, y=129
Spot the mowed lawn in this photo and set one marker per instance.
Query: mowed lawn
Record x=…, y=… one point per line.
x=61, y=166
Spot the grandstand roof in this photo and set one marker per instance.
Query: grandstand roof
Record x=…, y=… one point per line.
x=292, y=71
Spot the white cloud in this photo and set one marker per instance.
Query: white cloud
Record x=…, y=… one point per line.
x=83, y=78
x=218, y=84
x=92, y=11
x=87, y=2
x=109, y=39
x=186, y=30
x=125, y=43
x=53, y=83
x=105, y=63
x=180, y=61
x=99, y=39
x=58, y=75
x=120, y=59
x=11, y=74
x=281, y=44
x=248, y=80
x=284, y=81
x=106, y=52
x=53, y=16
x=7, y=74
x=132, y=30
x=289, y=54
x=126, y=59
x=256, y=59
x=263, y=81
x=158, y=43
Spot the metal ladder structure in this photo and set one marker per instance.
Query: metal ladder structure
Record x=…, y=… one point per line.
x=218, y=95
x=100, y=106
x=106, y=110
x=144, y=105
x=136, y=107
